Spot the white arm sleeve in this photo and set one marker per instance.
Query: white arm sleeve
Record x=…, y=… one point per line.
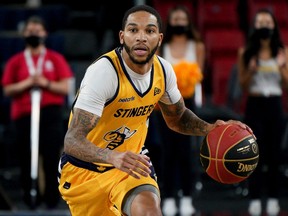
x=98, y=86
x=172, y=94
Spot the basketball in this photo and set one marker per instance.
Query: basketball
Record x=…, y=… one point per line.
x=229, y=154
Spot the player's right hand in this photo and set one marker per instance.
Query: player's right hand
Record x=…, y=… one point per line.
x=131, y=163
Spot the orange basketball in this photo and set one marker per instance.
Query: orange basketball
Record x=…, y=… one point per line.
x=229, y=154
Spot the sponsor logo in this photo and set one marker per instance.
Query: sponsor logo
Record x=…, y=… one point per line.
x=127, y=99
x=244, y=149
x=246, y=167
x=101, y=168
x=157, y=91
x=254, y=148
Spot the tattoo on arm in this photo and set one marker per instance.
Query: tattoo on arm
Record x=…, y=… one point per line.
x=183, y=120
x=191, y=124
x=76, y=142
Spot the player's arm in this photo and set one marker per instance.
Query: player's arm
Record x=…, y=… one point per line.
x=77, y=145
x=182, y=120
x=177, y=116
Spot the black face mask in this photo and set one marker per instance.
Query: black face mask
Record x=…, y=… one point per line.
x=264, y=33
x=177, y=30
x=34, y=41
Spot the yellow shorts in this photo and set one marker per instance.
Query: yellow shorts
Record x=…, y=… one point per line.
x=92, y=193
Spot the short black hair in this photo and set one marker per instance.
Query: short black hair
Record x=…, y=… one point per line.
x=146, y=8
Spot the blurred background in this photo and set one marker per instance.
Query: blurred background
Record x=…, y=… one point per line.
x=83, y=30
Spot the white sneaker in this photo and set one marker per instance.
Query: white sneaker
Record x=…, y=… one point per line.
x=169, y=207
x=186, y=207
x=272, y=207
x=255, y=208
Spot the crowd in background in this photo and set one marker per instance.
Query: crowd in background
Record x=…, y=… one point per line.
x=82, y=32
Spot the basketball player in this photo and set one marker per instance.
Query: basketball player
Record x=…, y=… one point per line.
x=104, y=169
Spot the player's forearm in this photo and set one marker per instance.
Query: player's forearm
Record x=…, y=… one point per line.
x=183, y=120
x=189, y=123
x=84, y=150
x=76, y=143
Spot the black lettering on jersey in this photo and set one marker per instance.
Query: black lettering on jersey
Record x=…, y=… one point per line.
x=134, y=112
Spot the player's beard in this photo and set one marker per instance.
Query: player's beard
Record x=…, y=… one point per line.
x=135, y=61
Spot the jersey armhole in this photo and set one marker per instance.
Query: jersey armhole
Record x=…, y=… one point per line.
x=117, y=89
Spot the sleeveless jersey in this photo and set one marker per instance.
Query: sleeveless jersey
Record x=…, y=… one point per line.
x=124, y=122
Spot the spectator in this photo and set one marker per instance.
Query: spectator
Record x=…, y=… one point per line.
x=38, y=66
x=263, y=71
x=183, y=47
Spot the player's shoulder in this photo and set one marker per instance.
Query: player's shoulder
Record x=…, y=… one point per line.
x=103, y=68
x=166, y=64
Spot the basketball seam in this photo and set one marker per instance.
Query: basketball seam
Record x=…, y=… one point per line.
x=229, y=160
x=217, y=150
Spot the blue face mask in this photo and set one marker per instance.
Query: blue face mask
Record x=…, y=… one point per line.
x=264, y=33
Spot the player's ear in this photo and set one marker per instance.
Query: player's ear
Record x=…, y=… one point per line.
x=121, y=33
x=160, y=39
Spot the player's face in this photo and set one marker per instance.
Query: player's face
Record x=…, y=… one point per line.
x=141, y=37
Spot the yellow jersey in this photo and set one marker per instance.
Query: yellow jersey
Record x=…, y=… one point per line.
x=125, y=118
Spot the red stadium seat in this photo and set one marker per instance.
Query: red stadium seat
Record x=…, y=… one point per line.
x=284, y=36
x=223, y=43
x=221, y=70
x=163, y=7
x=217, y=14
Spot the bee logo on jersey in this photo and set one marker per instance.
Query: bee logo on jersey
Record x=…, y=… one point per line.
x=117, y=137
x=157, y=91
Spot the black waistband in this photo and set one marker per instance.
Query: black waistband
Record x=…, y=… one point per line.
x=83, y=164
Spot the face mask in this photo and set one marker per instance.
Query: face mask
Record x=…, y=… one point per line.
x=264, y=33
x=177, y=30
x=34, y=40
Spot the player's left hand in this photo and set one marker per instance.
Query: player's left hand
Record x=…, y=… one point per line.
x=241, y=124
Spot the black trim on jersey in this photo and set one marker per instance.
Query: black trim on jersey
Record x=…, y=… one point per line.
x=164, y=73
x=128, y=77
x=117, y=90
x=74, y=102
x=65, y=158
